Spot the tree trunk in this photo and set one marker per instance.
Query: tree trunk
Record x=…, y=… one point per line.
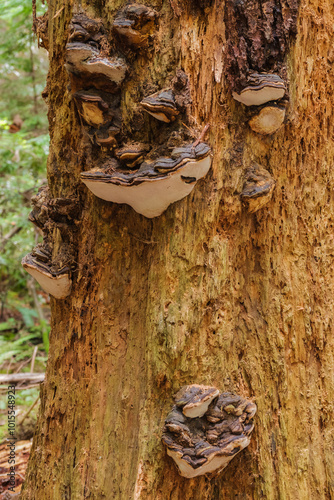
x=206, y=293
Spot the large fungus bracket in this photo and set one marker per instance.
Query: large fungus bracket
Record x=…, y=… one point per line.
x=156, y=184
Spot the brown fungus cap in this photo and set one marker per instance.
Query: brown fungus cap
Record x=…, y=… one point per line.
x=132, y=154
x=261, y=88
x=207, y=443
x=268, y=120
x=92, y=108
x=258, y=188
x=195, y=399
x=161, y=105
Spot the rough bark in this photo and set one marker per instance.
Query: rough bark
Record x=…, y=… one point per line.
x=207, y=293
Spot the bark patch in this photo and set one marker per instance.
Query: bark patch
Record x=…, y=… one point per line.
x=258, y=36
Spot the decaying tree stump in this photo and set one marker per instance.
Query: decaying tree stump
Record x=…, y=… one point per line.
x=210, y=291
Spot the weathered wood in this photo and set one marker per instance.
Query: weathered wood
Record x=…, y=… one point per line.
x=207, y=293
x=26, y=378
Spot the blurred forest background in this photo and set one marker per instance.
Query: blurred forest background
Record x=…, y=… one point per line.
x=24, y=143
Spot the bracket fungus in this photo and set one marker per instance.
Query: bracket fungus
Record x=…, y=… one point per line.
x=161, y=105
x=87, y=56
x=132, y=154
x=56, y=282
x=92, y=107
x=258, y=188
x=261, y=88
x=268, y=120
x=105, y=137
x=135, y=25
x=85, y=61
x=206, y=429
x=195, y=399
x=156, y=184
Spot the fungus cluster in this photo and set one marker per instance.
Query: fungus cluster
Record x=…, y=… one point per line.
x=52, y=268
x=96, y=76
x=88, y=58
x=148, y=177
x=206, y=429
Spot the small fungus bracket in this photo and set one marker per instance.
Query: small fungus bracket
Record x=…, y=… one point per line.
x=54, y=280
x=161, y=105
x=135, y=26
x=166, y=104
x=258, y=188
x=88, y=59
x=261, y=88
x=268, y=120
x=132, y=155
x=206, y=429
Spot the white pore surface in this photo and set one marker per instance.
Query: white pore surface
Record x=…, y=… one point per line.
x=251, y=97
x=86, y=59
x=159, y=116
x=152, y=196
x=215, y=463
x=200, y=408
x=59, y=287
x=114, y=69
x=268, y=120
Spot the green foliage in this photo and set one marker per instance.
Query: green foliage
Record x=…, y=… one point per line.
x=23, y=65
x=21, y=348
x=23, y=158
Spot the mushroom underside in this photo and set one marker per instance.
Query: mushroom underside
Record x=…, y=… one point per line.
x=216, y=462
x=151, y=196
x=58, y=286
x=253, y=97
